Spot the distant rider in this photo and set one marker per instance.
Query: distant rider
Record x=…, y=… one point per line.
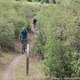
x=34, y=20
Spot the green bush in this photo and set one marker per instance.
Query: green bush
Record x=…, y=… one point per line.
x=13, y=16
x=60, y=26
x=39, y=45
x=57, y=60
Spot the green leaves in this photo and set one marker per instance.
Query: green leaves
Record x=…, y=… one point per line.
x=60, y=27
x=12, y=19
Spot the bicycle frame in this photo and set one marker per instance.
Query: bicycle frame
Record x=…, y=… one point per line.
x=24, y=46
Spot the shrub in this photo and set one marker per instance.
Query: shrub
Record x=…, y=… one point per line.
x=59, y=24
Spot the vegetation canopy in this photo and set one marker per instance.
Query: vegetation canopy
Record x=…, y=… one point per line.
x=58, y=39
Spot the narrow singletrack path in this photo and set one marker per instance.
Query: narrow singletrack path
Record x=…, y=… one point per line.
x=9, y=73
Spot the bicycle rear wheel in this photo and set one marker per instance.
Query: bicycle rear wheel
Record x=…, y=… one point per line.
x=24, y=46
x=23, y=49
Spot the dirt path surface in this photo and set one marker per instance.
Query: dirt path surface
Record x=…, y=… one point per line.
x=9, y=73
x=10, y=70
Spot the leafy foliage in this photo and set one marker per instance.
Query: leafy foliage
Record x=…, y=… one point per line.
x=60, y=25
x=13, y=16
x=58, y=40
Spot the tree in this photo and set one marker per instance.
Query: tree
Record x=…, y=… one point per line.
x=47, y=1
x=30, y=0
x=54, y=1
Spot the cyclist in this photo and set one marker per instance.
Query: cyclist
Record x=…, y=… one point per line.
x=24, y=38
x=34, y=20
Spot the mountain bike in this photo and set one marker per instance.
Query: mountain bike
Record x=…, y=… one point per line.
x=24, y=46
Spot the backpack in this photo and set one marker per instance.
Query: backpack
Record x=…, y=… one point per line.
x=24, y=34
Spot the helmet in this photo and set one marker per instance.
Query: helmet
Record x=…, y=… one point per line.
x=23, y=28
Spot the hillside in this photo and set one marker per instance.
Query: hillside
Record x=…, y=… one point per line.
x=57, y=41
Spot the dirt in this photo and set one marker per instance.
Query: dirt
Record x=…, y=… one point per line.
x=9, y=73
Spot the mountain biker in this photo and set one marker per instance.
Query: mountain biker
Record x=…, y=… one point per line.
x=34, y=20
x=23, y=36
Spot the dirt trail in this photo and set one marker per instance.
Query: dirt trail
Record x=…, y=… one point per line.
x=9, y=73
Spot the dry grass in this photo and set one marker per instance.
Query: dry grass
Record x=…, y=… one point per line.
x=35, y=70
x=5, y=59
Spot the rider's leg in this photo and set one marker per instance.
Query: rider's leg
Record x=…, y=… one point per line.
x=22, y=47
